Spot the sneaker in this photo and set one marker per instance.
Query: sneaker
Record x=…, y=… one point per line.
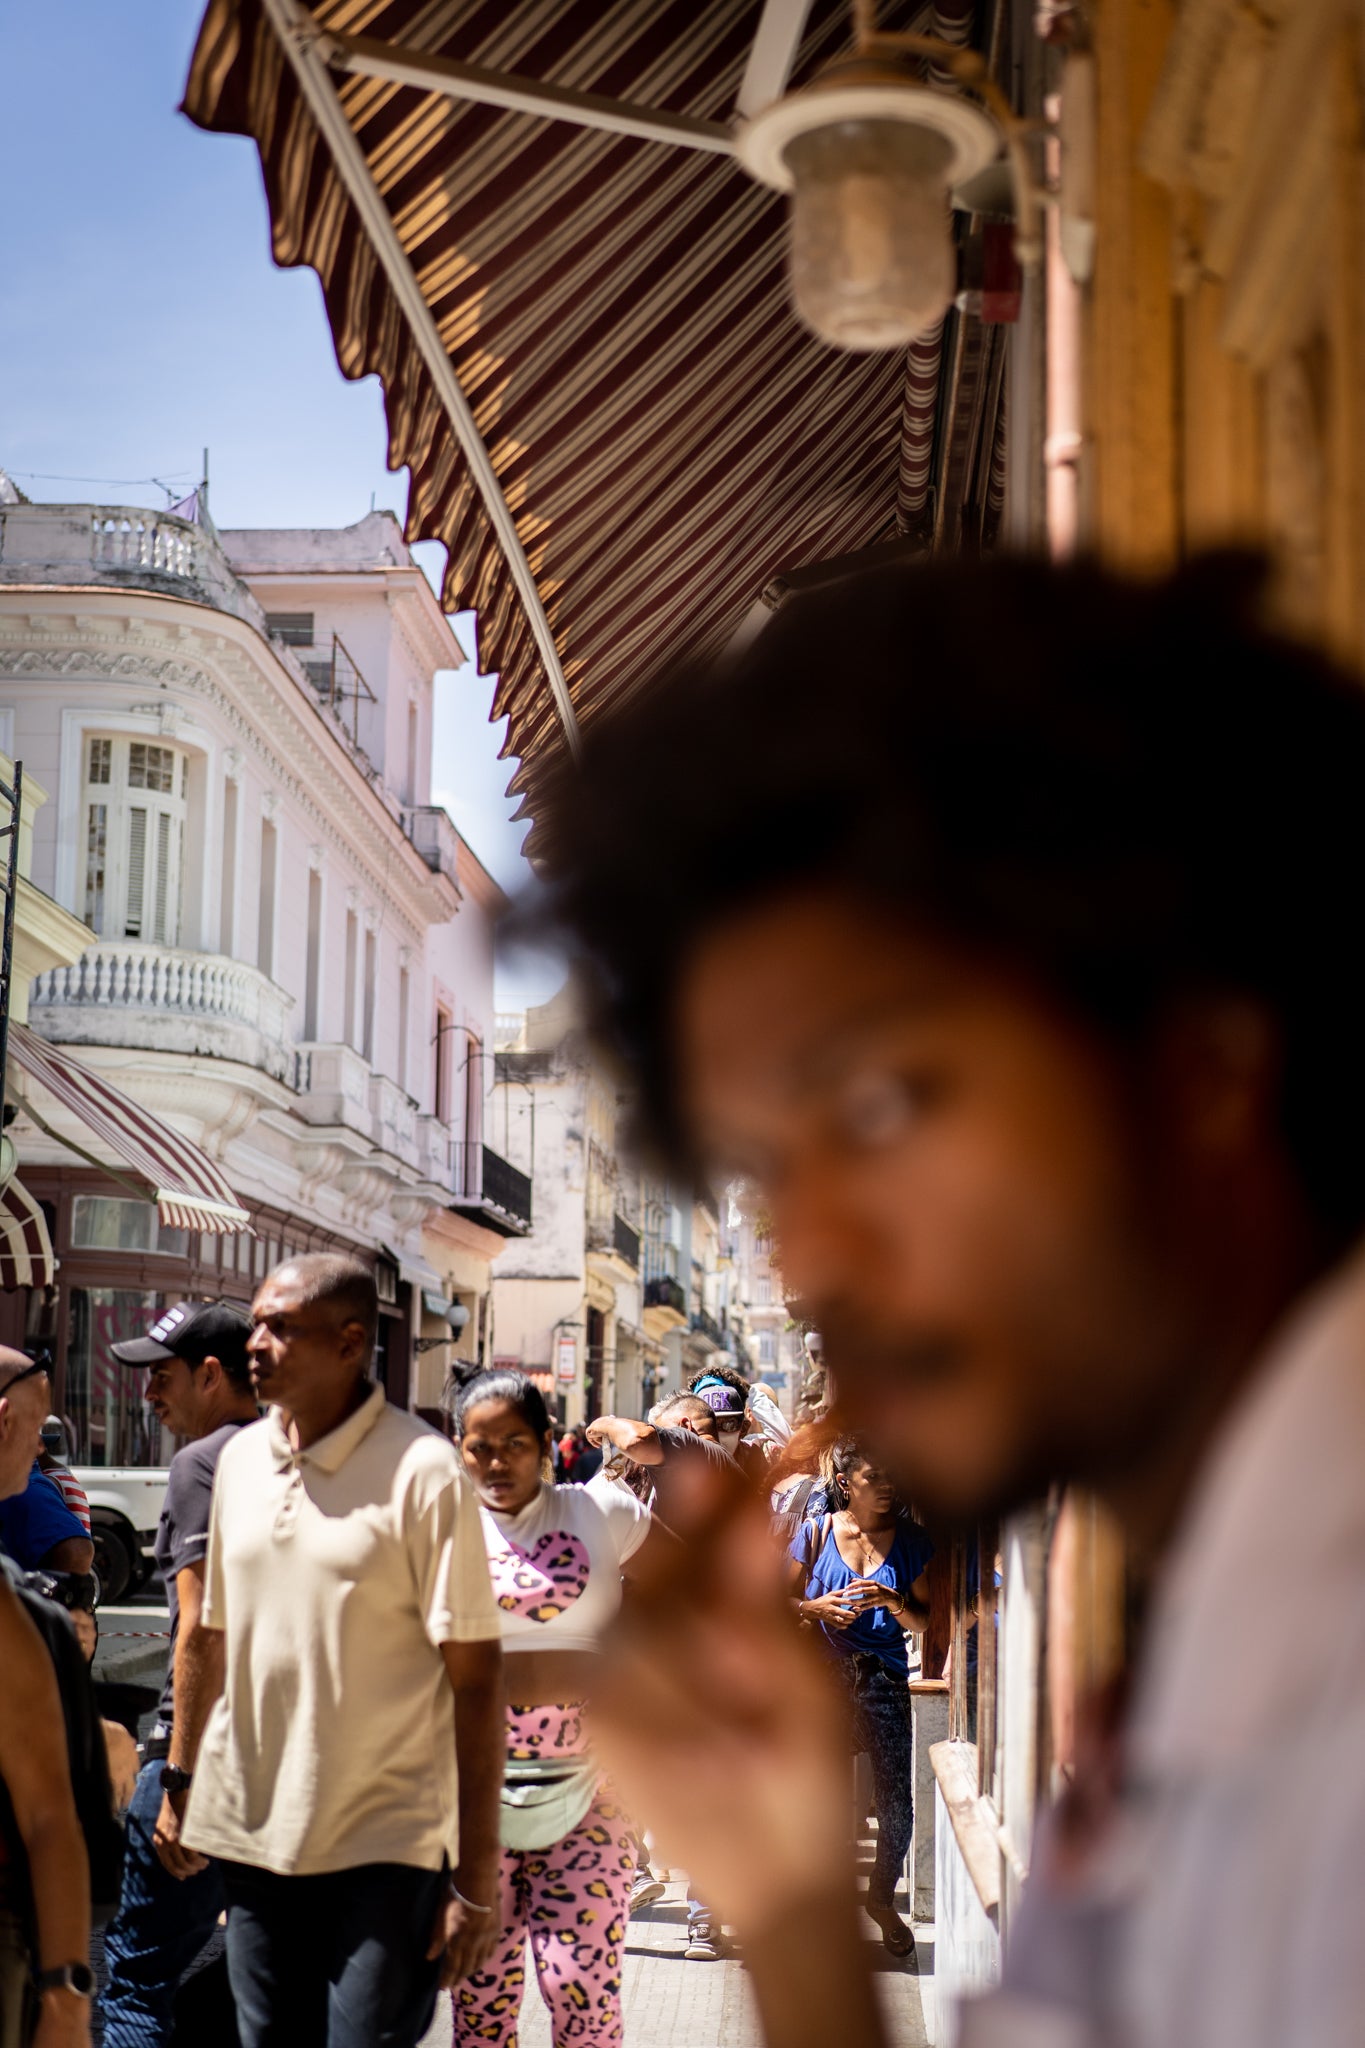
x=702, y=1946
x=645, y=1890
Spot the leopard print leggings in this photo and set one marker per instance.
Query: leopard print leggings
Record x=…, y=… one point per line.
x=571, y=1900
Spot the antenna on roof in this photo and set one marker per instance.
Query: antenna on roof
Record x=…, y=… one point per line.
x=204, y=486
x=371, y=501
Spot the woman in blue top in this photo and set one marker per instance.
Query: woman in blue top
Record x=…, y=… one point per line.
x=858, y=1576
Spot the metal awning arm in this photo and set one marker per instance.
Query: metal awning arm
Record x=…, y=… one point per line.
x=373, y=58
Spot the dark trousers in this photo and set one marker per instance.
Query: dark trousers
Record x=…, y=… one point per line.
x=336, y=1961
x=882, y=1726
x=161, y=1925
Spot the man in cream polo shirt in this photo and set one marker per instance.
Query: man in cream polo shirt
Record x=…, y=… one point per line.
x=348, y=1651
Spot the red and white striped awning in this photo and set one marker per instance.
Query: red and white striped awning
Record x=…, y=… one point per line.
x=576, y=301
x=26, y=1255
x=189, y=1190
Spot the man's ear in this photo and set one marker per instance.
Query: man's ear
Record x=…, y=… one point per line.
x=213, y=1372
x=355, y=1343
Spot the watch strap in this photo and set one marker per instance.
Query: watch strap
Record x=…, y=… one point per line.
x=78, y=1978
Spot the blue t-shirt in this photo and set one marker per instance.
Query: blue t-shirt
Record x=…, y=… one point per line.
x=876, y=1629
x=36, y=1521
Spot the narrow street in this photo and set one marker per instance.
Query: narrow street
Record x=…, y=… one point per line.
x=671, y=2003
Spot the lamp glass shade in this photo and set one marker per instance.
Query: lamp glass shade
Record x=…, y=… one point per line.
x=872, y=257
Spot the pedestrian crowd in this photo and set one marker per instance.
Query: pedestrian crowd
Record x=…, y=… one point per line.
x=372, y=1755
x=1020, y=982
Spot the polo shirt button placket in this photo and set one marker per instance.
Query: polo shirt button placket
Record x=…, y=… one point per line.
x=287, y=1514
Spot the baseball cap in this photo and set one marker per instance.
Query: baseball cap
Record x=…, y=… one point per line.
x=721, y=1399
x=192, y=1330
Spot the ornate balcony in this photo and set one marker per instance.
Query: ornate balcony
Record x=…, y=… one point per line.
x=125, y=546
x=666, y=1292
x=167, y=1000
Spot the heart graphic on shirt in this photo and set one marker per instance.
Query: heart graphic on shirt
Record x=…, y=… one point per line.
x=543, y=1581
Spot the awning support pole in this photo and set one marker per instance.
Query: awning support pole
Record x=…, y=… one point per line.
x=373, y=58
x=304, y=43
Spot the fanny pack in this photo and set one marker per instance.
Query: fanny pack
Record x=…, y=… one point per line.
x=544, y=1799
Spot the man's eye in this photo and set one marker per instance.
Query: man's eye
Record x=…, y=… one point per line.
x=875, y=1109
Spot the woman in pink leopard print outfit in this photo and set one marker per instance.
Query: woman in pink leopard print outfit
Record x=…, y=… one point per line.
x=556, y=1556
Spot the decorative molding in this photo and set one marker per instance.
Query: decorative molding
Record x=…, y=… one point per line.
x=232, y=764
x=315, y=858
x=270, y=804
x=273, y=736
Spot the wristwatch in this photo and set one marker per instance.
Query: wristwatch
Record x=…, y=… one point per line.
x=76, y=1977
x=173, y=1779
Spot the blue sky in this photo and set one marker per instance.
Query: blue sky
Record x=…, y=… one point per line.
x=143, y=320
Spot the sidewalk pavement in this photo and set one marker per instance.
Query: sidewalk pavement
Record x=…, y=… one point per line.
x=134, y=1643
x=671, y=2003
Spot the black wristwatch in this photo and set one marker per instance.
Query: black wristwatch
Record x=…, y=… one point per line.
x=76, y=1977
x=173, y=1779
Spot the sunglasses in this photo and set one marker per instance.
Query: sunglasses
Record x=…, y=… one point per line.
x=28, y=1373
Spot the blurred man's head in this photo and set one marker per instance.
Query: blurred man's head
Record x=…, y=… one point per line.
x=24, y=1397
x=315, y=1320
x=1005, y=945
x=198, y=1372
x=686, y=1411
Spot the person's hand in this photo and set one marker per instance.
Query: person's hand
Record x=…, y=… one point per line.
x=835, y=1610
x=596, y=1434
x=175, y=1857
x=121, y=1751
x=717, y=1719
x=467, y=1938
x=63, y=2021
x=865, y=1593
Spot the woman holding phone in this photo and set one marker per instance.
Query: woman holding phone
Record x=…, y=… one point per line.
x=858, y=1576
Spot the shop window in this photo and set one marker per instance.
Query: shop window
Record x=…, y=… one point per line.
x=107, y=1223
x=108, y=1422
x=134, y=834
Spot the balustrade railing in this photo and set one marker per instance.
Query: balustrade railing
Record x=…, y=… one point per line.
x=133, y=539
x=165, y=978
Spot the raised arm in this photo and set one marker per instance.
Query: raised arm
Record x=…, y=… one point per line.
x=638, y=1441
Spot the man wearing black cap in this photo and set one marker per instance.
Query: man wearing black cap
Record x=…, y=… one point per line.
x=198, y=1386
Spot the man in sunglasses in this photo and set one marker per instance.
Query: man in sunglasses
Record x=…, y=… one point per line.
x=37, y=1528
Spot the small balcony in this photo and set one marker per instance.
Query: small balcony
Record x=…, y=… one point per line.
x=167, y=999
x=664, y=1307
x=491, y=1191
x=666, y=1292
x=704, y=1325
x=429, y=828
x=613, y=1237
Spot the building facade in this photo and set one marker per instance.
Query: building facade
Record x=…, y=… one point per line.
x=291, y=952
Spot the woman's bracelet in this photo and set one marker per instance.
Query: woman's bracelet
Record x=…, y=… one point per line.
x=468, y=1903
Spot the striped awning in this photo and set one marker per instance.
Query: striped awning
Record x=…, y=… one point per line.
x=26, y=1255
x=189, y=1190
x=612, y=418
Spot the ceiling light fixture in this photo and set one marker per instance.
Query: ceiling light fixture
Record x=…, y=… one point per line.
x=871, y=156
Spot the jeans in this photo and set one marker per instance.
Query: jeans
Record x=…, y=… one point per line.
x=333, y=1961
x=161, y=1925
x=882, y=1726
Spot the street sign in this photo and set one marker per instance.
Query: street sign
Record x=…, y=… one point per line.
x=566, y=1361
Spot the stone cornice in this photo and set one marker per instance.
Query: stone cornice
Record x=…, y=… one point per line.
x=224, y=663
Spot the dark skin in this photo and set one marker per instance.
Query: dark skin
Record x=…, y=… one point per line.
x=864, y=1529
x=505, y=1460
x=1032, y=1255
x=313, y=1362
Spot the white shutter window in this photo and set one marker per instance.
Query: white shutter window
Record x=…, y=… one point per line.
x=134, y=855
x=163, y=877
x=96, y=841
x=136, y=878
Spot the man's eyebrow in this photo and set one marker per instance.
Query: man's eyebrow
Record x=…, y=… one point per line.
x=849, y=1039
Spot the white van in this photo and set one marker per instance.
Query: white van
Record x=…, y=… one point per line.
x=125, y=1508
